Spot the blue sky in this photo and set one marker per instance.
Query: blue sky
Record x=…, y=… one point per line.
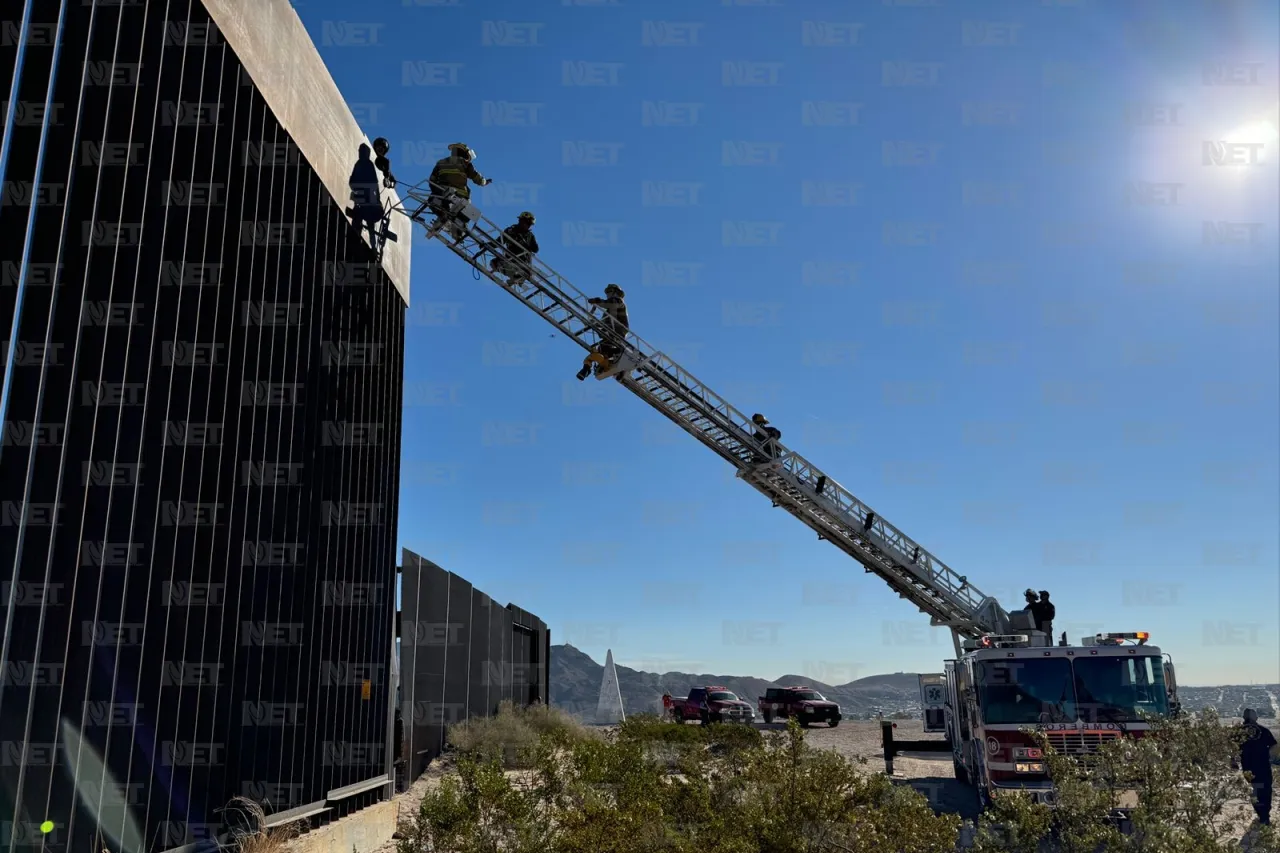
x=1048, y=371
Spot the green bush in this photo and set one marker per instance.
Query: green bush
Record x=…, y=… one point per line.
x=1186, y=797
x=650, y=728
x=511, y=734
x=611, y=795
x=659, y=786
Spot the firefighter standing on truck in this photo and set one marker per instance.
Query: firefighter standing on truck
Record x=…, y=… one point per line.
x=617, y=324
x=456, y=172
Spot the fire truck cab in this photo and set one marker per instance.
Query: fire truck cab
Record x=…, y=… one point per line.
x=1002, y=685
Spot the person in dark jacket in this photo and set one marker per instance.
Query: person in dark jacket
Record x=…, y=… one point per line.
x=767, y=434
x=1042, y=612
x=1044, y=617
x=616, y=326
x=1255, y=759
x=519, y=245
x=455, y=173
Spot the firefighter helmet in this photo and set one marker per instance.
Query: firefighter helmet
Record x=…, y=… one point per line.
x=381, y=145
x=759, y=418
x=461, y=149
x=614, y=290
x=526, y=216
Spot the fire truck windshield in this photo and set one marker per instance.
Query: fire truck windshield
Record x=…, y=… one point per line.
x=1117, y=689
x=723, y=696
x=807, y=696
x=1027, y=691
x=1054, y=690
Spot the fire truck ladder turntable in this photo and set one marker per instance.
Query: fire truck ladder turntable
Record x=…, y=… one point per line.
x=788, y=480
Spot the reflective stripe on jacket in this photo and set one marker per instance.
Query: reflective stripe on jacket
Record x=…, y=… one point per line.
x=454, y=173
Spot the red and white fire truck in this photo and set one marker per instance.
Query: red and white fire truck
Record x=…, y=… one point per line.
x=1003, y=686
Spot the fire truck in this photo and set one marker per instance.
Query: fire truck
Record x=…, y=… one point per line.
x=1004, y=675
x=1002, y=687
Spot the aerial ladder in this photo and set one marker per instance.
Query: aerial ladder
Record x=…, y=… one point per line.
x=785, y=477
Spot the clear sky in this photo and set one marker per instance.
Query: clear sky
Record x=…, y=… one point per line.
x=986, y=301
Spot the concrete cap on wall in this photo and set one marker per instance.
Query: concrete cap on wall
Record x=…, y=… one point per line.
x=279, y=55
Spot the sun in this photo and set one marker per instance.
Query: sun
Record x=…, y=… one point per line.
x=1260, y=130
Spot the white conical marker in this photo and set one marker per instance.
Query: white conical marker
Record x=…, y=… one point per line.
x=609, y=708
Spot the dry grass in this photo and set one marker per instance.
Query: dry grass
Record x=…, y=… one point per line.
x=513, y=730
x=261, y=838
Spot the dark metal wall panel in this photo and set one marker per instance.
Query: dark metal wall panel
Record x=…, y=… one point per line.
x=470, y=654
x=455, y=636
x=478, y=690
x=499, y=652
x=411, y=596
x=201, y=444
x=426, y=735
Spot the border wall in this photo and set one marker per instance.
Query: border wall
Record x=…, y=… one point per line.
x=201, y=411
x=461, y=654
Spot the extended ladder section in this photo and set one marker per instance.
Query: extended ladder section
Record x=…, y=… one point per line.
x=787, y=479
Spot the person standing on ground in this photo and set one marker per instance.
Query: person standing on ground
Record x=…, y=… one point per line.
x=1255, y=759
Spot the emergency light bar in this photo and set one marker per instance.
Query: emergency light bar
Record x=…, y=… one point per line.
x=998, y=641
x=1116, y=639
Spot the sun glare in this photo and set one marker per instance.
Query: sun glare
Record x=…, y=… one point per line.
x=1262, y=130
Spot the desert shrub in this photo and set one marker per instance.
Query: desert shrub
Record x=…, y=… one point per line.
x=734, y=736
x=650, y=728
x=511, y=734
x=611, y=796
x=777, y=794
x=1186, y=796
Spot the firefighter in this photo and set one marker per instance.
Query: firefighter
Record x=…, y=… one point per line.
x=380, y=147
x=1255, y=759
x=616, y=323
x=1044, y=616
x=767, y=434
x=455, y=173
x=519, y=245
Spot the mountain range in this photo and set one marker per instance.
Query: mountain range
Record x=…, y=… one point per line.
x=575, y=686
x=576, y=677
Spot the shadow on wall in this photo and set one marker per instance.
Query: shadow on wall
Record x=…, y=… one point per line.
x=368, y=210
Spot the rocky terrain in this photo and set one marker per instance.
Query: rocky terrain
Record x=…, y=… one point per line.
x=575, y=686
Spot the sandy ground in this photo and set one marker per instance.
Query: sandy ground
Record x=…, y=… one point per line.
x=929, y=773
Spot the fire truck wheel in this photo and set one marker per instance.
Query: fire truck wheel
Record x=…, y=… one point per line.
x=832, y=723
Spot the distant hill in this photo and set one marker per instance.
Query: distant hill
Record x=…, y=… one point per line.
x=575, y=686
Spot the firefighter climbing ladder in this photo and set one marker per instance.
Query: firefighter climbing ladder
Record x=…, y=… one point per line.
x=789, y=480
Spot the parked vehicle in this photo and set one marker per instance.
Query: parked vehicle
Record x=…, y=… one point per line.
x=711, y=705
x=803, y=703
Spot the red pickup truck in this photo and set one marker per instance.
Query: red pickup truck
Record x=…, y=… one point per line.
x=709, y=705
x=803, y=703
